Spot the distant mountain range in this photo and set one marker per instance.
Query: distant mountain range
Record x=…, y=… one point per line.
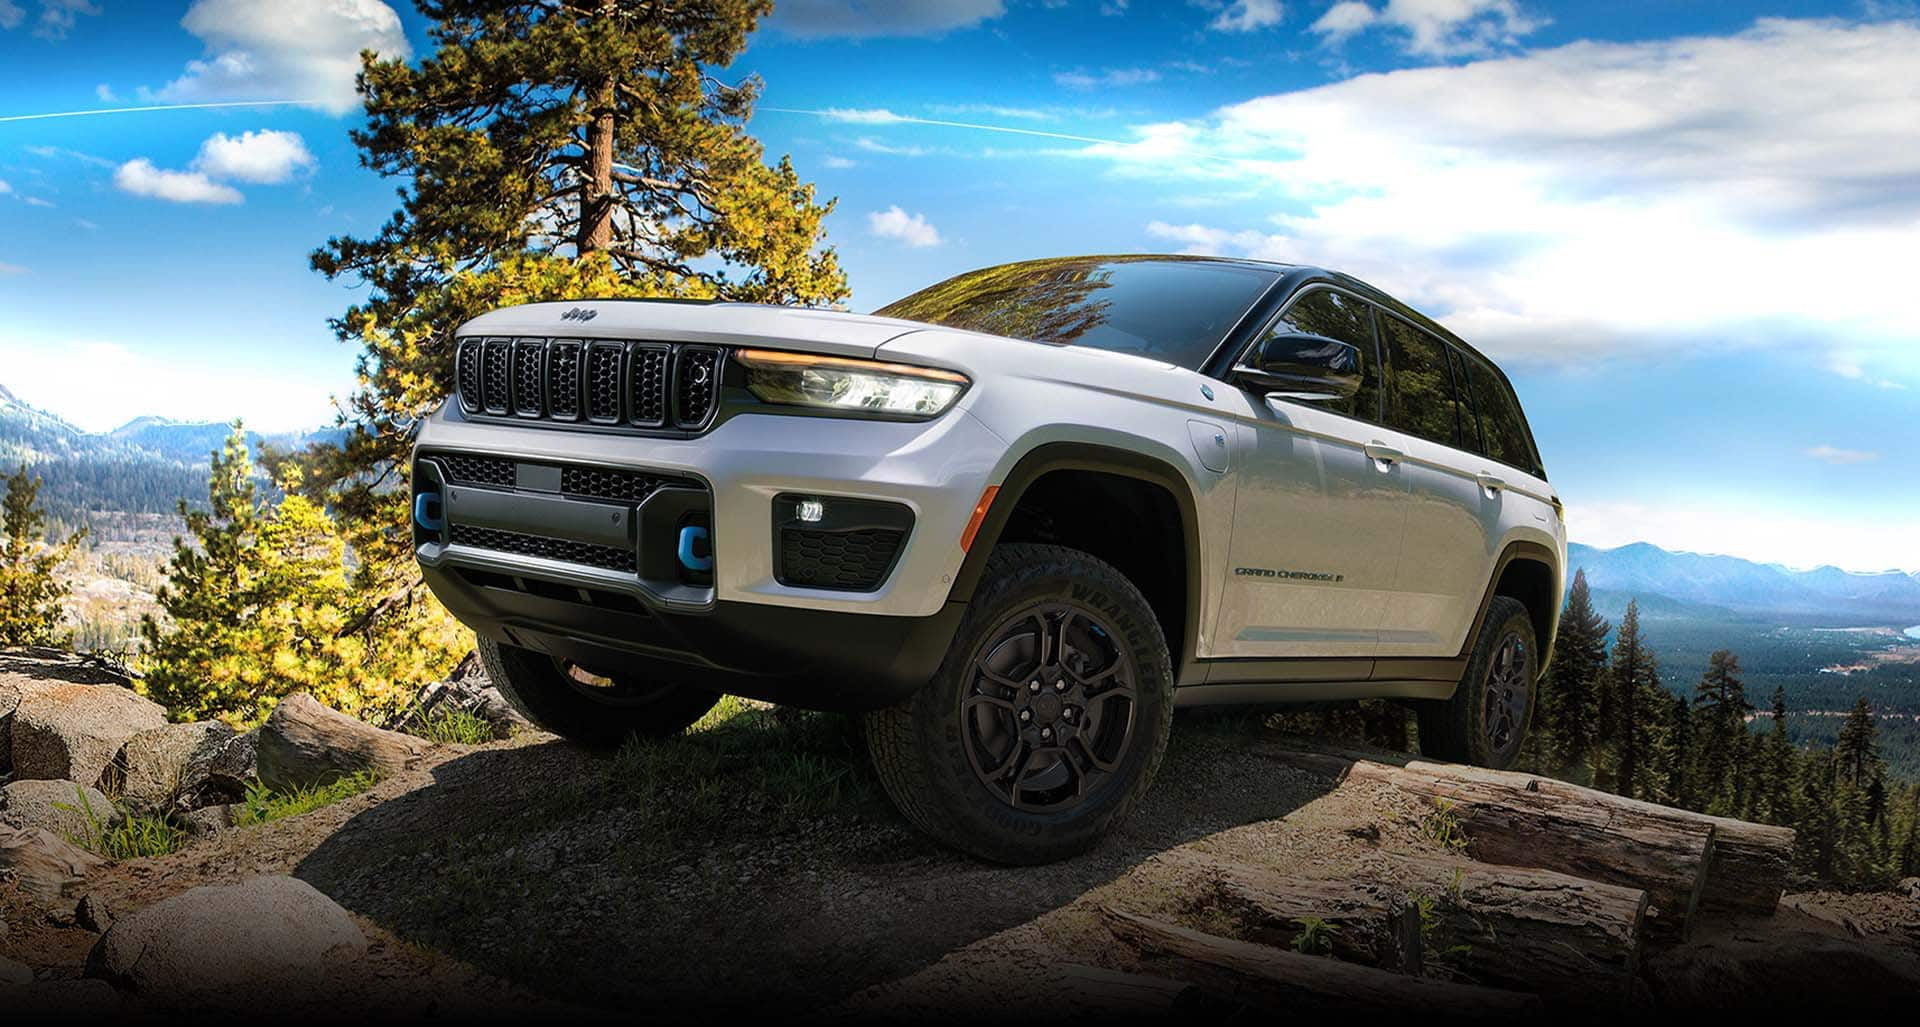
x=144, y=466
x=1670, y=585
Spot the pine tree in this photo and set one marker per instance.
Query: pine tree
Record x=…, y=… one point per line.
x=1634, y=678
x=255, y=603
x=1777, y=763
x=30, y=588
x=1576, y=682
x=1677, y=755
x=549, y=149
x=1721, y=700
x=1856, y=755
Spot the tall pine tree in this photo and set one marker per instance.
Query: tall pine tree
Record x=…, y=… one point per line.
x=1577, y=680
x=548, y=149
x=1633, y=675
x=1720, y=698
x=30, y=587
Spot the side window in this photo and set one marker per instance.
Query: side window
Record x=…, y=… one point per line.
x=1472, y=432
x=1501, y=423
x=1339, y=316
x=1424, y=402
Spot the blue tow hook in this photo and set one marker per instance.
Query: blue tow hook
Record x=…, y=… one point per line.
x=427, y=511
x=688, y=558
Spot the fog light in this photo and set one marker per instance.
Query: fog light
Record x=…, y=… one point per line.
x=810, y=510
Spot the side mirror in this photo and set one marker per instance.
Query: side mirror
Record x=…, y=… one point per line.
x=1299, y=365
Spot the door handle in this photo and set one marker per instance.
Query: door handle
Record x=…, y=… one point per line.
x=1492, y=483
x=1384, y=453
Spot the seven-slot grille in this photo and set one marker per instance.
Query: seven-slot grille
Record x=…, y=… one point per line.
x=596, y=381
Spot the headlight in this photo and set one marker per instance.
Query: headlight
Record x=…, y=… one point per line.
x=843, y=383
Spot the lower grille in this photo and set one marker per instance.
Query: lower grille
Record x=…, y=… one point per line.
x=852, y=561
x=477, y=470
x=563, y=550
x=577, y=480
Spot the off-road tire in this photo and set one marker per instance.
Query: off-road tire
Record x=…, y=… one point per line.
x=1457, y=729
x=921, y=757
x=536, y=685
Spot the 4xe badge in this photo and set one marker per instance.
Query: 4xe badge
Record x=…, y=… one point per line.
x=579, y=314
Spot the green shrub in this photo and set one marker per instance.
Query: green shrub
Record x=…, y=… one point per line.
x=264, y=805
x=135, y=836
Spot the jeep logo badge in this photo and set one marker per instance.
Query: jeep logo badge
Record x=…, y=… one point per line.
x=579, y=314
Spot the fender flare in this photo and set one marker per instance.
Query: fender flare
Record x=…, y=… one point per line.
x=1516, y=551
x=1088, y=456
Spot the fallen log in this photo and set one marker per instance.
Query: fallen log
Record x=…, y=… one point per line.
x=1258, y=975
x=1558, y=936
x=1365, y=921
x=44, y=868
x=1749, y=869
x=1526, y=821
x=1084, y=988
x=304, y=744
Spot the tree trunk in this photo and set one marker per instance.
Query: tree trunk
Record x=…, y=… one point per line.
x=1749, y=869
x=304, y=744
x=1526, y=821
x=1293, y=983
x=1367, y=921
x=596, y=187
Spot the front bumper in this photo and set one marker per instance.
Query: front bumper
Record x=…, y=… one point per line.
x=740, y=629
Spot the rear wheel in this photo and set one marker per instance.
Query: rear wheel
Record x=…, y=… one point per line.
x=582, y=706
x=1486, y=721
x=1047, y=719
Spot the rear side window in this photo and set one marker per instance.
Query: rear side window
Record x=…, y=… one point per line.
x=1502, y=427
x=1335, y=315
x=1424, y=402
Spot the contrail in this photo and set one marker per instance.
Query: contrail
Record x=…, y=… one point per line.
x=155, y=107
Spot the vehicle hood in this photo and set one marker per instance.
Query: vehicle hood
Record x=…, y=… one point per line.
x=834, y=332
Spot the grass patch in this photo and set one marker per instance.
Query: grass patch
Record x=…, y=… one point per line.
x=133, y=837
x=264, y=805
x=455, y=727
x=1442, y=827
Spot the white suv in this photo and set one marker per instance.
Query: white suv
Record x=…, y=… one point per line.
x=1015, y=519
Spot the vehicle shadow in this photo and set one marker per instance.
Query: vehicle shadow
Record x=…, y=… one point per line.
x=569, y=899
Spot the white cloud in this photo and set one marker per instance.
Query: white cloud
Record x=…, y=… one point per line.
x=1113, y=77
x=1836, y=455
x=57, y=17
x=284, y=49
x=836, y=161
x=863, y=116
x=35, y=201
x=1857, y=543
x=1433, y=28
x=1248, y=16
x=11, y=269
x=105, y=93
x=814, y=19
x=10, y=15
x=4, y=187
x=141, y=178
x=125, y=381
x=1344, y=19
x=1563, y=204
x=872, y=145
x=894, y=223
x=265, y=157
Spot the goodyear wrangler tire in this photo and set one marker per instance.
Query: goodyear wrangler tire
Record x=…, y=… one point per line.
x=1047, y=719
x=595, y=711
x=1485, y=723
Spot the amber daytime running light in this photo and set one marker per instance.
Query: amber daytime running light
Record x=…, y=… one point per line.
x=845, y=383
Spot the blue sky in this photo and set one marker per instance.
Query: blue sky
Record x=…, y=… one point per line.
x=1687, y=230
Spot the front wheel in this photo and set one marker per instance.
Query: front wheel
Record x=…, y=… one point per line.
x=1046, y=721
x=592, y=709
x=1485, y=722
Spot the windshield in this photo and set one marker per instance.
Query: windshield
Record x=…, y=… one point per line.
x=1164, y=308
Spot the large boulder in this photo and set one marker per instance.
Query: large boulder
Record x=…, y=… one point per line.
x=226, y=946
x=13, y=689
x=226, y=771
x=44, y=868
x=466, y=690
x=304, y=744
x=72, y=732
x=162, y=766
x=14, y=975
x=59, y=807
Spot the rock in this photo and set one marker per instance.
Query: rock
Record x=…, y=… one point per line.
x=227, y=772
x=163, y=765
x=14, y=975
x=226, y=946
x=304, y=744
x=92, y=913
x=466, y=690
x=1910, y=887
x=208, y=820
x=55, y=806
x=72, y=732
x=13, y=688
x=46, y=869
